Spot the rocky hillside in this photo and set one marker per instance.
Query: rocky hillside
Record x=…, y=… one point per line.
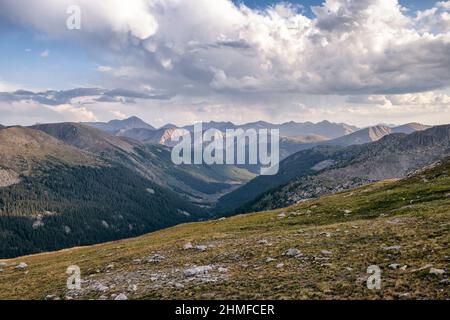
x=319, y=249
x=376, y=133
x=322, y=170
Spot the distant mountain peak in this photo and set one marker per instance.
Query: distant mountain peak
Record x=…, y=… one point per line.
x=116, y=126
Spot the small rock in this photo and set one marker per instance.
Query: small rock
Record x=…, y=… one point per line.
x=155, y=258
x=264, y=242
x=348, y=211
x=22, y=265
x=280, y=265
x=52, y=297
x=268, y=260
x=179, y=285
x=427, y=266
x=121, y=297
x=188, y=246
x=132, y=288
x=349, y=269
x=326, y=252
x=196, y=271
x=394, y=266
x=222, y=270
x=437, y=272
x=326, y=234
x=404, y=268
x=222, y=219
x=101, y=287
x=201, y=248
x=282, y=216
x=392, y=248
x=445, y=281
x=293, y=252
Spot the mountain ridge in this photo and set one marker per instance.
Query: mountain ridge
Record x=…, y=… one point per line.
x=340, y=167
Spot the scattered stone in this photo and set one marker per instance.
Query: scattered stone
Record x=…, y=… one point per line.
x=348, y=211
x=179, y=285
x=349, y=269
x=437, y=272
x=22, y=265
x=222, y=219
x=402, y=294
x=121, y=297
x=326, y=252
x=392, y=248
x=394, y=266
x=326, y=265
x=155, y=258
x=282, y=215
x=137, y=260
x=197, y=271
x=268, y=260
x=188, y=246
x=427, y=266
x=326, y=234
x=110, y=266
x=132, y=288
x=101, y=287
x=201, y=248
x=445, y=281
x=222, y=270
x=52, y=297
x=264, y=242
x=280, y=265
x=151, y=191
x=404, y=268
x=293, y=252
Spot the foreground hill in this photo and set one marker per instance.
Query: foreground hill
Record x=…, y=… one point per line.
x=327, y=169
x=319, y=249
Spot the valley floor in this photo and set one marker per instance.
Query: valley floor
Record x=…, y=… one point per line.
x=319, y=249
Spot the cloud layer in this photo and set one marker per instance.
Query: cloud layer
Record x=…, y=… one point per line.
x=223, y=54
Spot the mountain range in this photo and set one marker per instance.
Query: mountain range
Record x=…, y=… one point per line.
x=137, y=129
x=70, y=184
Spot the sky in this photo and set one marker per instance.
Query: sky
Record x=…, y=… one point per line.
x=361, y=62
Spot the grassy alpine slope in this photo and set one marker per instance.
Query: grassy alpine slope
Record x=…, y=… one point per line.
x=401, y=226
